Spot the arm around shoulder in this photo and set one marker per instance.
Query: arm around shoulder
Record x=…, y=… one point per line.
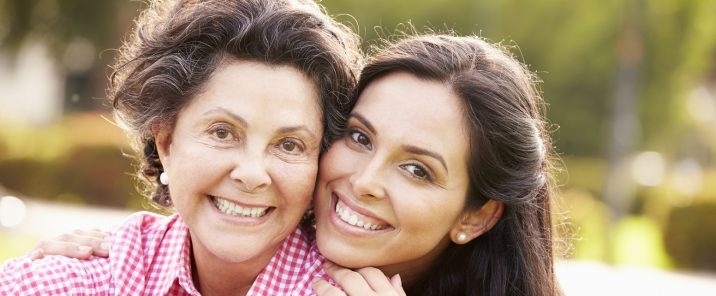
x=54, y=275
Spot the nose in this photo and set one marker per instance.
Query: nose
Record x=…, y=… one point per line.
x=250, y=173
x=368, y=180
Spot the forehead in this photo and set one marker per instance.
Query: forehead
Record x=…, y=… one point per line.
x=427, y=113
x=258, y=90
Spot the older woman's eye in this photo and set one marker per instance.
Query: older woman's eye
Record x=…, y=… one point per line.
x=222, y=133
x=291, y=146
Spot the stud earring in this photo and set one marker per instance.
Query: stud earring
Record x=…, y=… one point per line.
x=461, y=237
x=164, y=178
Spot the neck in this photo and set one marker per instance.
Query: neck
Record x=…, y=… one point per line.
x=413, y=271
x=213, y=275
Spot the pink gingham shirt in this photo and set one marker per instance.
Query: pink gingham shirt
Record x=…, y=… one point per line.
x=150, y=255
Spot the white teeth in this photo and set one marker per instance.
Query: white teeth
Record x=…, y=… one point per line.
x=233, y=209
x=352, y=219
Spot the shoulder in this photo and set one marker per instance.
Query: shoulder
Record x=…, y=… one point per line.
x=143, y=227
x=136, y=241
x=55, y=275
x=148, y=252
x=146, y=222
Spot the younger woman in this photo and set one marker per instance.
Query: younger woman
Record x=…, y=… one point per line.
x=441, y=177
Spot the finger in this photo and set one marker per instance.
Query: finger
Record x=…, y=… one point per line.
x=96, y=233
x=323, y=288
x=376, y=279
x=66, y=249
x=397, y=284
x=36, y=253
x=98, y=245
x=350, y=281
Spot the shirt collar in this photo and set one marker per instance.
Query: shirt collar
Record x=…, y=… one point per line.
x=177, y=245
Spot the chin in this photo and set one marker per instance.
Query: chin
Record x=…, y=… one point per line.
x=342, y=255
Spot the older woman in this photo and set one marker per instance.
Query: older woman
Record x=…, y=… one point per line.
x=231, y=103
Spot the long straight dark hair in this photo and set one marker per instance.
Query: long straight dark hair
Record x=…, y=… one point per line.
x=509, y=162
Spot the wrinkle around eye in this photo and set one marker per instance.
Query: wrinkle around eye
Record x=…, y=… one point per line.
x=222, y=128
x=306, y=151
x=298, y=144
x=207, y=136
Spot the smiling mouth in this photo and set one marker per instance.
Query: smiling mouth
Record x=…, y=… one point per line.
x=347, y=215
x=235, y=210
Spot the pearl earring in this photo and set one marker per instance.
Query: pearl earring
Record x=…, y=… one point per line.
x=461, y=237
x=164, y=178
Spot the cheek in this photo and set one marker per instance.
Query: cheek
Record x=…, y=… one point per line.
x=192, y=157
x=427, y=212
x=337, y=161
x=296, y=181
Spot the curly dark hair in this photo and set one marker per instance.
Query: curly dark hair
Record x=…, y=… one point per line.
x=177, y=45
x=509, y=162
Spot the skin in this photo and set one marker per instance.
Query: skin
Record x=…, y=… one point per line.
x=223, y=146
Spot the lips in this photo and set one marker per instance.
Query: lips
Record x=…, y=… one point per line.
x=352, y=217
x=233, y=209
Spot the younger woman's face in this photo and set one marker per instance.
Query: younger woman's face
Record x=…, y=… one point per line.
x=392, y=188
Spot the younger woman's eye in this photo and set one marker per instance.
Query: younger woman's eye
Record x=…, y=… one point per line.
x=418, y=171
x=360, y=138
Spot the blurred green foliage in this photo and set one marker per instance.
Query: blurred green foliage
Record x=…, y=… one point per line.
x=572, y=45
x=57, y=22
x=79, y=160
x=691, y=236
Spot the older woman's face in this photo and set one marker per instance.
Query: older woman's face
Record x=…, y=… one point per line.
x=242, y=159
x=392, y=189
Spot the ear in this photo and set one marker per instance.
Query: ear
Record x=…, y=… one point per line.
x=474, y=223
x=163, y=140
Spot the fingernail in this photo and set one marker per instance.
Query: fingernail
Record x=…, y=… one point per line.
x=104, y=246
x=85, y=249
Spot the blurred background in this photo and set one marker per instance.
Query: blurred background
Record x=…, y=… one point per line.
x=631, y=88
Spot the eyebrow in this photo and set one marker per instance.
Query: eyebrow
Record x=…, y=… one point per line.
x=243, y=123
x=421, y=151
x=364, y=121
x=234, y=116
x=293, y=129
